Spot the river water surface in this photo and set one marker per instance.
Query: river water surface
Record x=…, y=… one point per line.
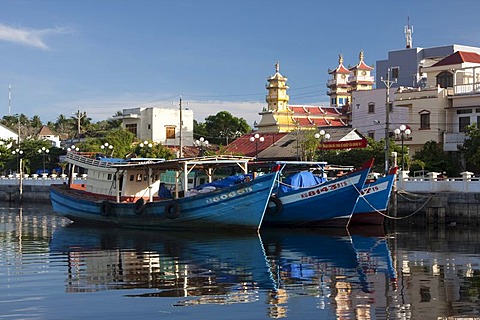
x=50, y=269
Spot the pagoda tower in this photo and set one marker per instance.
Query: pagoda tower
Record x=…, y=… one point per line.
x=338, y=88
x=276, y=117
x=360, y=76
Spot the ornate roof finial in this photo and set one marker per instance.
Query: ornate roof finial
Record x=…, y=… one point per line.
x=340, y=59
x=277, y=67
x=360, y=56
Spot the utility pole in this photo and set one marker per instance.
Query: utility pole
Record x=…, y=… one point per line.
x=79, y=117
x=388, y=84
x=180, y=131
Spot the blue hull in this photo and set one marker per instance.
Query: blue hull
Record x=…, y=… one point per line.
x=239, y=206
x=329, y=204
x=373, y=203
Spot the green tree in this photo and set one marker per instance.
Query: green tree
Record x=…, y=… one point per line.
x=471, y=147
x=437, y=160
x=355, y=157
x=223, y=128
x=199, y=130
x=149, y=149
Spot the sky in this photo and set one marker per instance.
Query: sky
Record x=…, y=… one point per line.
x=103, y=56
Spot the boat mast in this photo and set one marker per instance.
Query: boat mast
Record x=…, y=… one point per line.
x=180, y=131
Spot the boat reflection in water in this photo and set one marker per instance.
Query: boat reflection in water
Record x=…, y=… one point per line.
x=345, y=274
x=216, y=267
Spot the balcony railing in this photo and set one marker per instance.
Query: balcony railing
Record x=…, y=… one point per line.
x=452, y=141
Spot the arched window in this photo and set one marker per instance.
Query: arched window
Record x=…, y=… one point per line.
x=424, y=119
x=445, y=79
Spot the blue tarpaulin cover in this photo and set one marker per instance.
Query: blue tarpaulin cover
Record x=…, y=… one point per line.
x=302, y=179
x=226, y=182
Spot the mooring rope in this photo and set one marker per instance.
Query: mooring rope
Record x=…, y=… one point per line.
x=416, y=211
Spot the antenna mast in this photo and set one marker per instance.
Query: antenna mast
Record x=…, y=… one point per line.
x=408, y=34
x=9, y=99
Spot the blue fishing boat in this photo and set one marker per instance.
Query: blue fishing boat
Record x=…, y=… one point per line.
x=123, y=193
x=306, y=200
x=374, y=199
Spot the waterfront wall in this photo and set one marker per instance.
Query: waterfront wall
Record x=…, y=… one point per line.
x=439, y=208
x=29, y=189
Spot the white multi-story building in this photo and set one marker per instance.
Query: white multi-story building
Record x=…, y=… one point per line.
x=439, y=108
x=161, y=125
x=7, y=134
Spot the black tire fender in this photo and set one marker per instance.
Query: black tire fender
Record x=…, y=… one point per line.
x=106, y=208
x=274, y=206
x=140, y=206
x=172, y=210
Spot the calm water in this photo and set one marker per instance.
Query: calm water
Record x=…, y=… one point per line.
x=52, y=270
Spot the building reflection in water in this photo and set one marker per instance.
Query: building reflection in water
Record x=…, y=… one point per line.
x=426, y=274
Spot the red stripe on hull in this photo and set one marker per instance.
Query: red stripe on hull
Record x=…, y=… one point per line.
x=367, y=218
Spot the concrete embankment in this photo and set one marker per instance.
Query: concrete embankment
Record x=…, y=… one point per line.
x=439, y=208
x=11, y=193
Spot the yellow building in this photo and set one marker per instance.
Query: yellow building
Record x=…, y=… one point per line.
x=279, y=116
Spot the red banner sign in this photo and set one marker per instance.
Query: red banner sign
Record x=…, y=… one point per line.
x=351, y=144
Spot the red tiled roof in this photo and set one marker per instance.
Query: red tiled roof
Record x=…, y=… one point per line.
x=361, y=66
x=313, y=110
x=459, y=57
x=340, y=69
x=243, y=145
x=46, y=131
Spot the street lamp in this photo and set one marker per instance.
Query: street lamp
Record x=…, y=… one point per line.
x=73, y=148
x=106, y=146
x=256, y=137
x=145, y=144
x=144, y=152
x=18, y=152
x=323, y=137
x=44, y=151
x=201, y=143
x=403, y=132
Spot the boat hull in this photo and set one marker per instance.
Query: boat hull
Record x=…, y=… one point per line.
x=373, y=203
x=329, y=204
x=238, y=206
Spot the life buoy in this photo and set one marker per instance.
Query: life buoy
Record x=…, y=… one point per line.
x=106, y=208
x=139, y=206
x=172, y=210
x=274, y=206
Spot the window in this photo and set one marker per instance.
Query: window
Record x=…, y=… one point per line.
x=371, y=107
x=371, y=134
x=132, y=127
x=464, y=111
x=332, y=101
x=170, y=132
x=395, y=72
x=342, y=101
x=425, y=120
x=445, y=79
x=463, y=122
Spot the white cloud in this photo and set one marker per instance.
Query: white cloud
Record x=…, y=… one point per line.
x=29, y=37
